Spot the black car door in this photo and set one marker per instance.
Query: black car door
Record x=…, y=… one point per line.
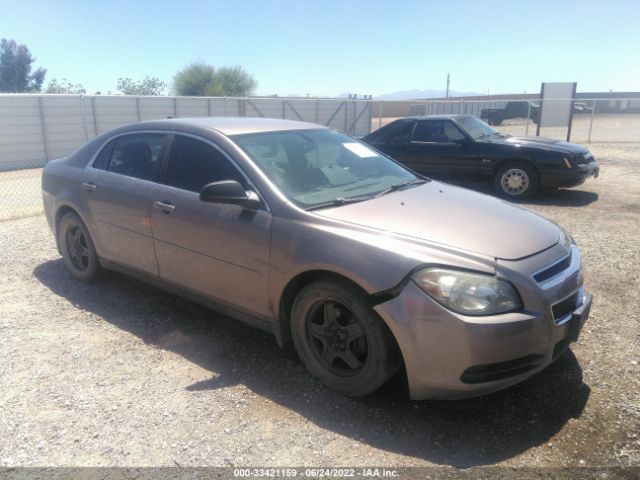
x=393, y=138
x=438, y=147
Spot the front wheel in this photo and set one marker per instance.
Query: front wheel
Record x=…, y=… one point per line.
x=516, y=180
x=341, y=340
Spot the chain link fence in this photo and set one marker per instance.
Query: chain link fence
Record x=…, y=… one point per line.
x=602, y=120
x=37, y=128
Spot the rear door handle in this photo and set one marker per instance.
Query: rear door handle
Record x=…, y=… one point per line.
x=165, y=207
x=88, y=186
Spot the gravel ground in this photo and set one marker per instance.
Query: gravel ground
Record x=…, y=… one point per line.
x=119, y=373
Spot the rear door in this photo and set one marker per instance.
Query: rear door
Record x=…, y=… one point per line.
x=220, y=251
x=117, y=189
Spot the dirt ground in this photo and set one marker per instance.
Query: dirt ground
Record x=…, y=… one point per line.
x=121, y=374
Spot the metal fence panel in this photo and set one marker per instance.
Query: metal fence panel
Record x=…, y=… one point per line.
x=156, y=107
x=38, y=128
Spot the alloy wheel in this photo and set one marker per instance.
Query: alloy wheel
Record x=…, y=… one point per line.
x=336, y=338
x=77, y=247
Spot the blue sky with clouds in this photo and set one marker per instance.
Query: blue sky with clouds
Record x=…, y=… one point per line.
x=328, y=47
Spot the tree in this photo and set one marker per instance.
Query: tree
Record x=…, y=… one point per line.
x=146, y=86
x=64, y=87
x=15, y=69
x=201, y=79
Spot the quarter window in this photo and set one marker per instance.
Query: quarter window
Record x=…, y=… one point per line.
x=193, y=164
x=102, y=160
x=137, y=155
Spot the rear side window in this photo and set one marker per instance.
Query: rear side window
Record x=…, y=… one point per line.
x=136, y=155
x=193, y=164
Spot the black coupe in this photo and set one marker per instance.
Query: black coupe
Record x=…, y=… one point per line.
x=463, y=147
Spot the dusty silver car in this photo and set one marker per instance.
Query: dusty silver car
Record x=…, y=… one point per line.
x=310, y=234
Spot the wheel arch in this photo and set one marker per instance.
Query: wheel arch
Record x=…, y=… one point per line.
x=61, y=211
x=507, y=161
x=299, y=282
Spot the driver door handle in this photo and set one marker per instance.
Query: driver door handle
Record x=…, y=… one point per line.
x=88, y=186
x=165, y=207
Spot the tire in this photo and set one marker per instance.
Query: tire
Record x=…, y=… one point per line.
x=516, y=180
x=495, y=120
x=341, y=340
x=77, y=249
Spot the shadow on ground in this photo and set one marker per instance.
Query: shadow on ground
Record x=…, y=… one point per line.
x=545, y=196
x=464, y=433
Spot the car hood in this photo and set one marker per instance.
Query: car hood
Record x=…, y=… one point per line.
x=455, y=217
x=545, y=144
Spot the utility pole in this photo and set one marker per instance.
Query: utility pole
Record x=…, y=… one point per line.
x=447, y=93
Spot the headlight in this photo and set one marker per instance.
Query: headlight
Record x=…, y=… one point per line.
x=468, y=293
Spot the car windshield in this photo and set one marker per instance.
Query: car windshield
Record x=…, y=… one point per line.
x=477, y=129
x=321, y=167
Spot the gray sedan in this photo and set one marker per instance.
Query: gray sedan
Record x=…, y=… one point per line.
x=368, y=268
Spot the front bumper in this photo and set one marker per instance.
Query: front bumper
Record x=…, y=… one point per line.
x=451, y=356
x=571, y=177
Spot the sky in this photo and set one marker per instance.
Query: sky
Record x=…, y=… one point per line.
x=327, y=47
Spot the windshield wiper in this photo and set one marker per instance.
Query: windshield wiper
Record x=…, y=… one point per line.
x=399, y=186
x=337, y=202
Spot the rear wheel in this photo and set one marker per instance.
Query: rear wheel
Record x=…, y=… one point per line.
x=516, y=180
x=77, y=248
x=495, y=120
x=341, y=340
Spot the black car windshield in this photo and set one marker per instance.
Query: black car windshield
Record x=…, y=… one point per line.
x=477, y=129
x=321, y=167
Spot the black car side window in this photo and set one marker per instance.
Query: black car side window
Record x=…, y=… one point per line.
x=452, y=132
x=429, y=131
x=136, y=155
x=398, y=134
x=193, y=164
x=436, y=131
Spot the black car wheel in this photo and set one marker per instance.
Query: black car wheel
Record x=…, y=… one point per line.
x=77, y=248
x=516, y=180
x=495, y=120
x=341, y=340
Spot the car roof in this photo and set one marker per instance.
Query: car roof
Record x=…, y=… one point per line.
x=234, y=125
x=436, y=117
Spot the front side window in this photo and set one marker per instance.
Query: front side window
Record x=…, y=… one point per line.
x=436, y=131
x=193, y=164
x=315, y=167
x=136, y=155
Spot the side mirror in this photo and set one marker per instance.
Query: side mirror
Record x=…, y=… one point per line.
x=229, y=191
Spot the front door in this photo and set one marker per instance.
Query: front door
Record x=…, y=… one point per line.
x=220, y=251
x=438, y=147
